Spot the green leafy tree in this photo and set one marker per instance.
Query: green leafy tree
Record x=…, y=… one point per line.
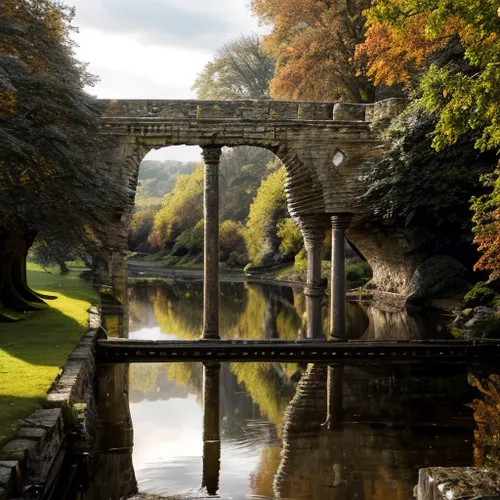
x=181, y=210
x=268, y=208
x=242, y=170
x=239, y=70
x=53, y=182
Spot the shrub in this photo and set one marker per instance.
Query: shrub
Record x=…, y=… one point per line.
x=487, y=417
x=192, y=238
x=479, y=295
x=231, y=240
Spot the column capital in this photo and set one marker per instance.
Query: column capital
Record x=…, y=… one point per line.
x=312, y=228
x=341, y=221
x=211, y=154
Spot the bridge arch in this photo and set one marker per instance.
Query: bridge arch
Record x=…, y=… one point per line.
x=322, y=146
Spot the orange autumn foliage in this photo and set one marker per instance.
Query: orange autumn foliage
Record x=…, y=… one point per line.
x=395, y=52
x=487, y=417
x=313, y=42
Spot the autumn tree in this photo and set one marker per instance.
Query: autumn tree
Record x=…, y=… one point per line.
x=53, y=184
x=405, y=36
x=314, y=43
x=239, y=70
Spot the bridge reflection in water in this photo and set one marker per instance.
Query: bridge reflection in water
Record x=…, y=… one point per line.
x=272, y=430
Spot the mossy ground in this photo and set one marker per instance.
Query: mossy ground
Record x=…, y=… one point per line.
x=33, y=351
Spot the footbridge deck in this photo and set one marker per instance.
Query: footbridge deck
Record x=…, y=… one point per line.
x=354, y=351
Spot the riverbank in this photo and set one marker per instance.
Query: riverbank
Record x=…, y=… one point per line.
x=146, y=271
x=285, y=274
x=33, y=351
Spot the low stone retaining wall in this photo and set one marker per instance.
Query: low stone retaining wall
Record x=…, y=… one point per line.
x=457, y=483
x=28, y=458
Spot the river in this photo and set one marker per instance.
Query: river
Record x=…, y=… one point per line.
x=158, y=424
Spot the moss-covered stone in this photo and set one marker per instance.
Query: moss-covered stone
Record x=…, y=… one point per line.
x=479, y=295
x=437, y=277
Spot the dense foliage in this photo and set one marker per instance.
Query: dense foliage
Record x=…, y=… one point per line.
x=53, y=183
x=314, y=42
x=181, y=209
x=427, y=193
x=268, y=236
x=178, y=225
x=408, y=38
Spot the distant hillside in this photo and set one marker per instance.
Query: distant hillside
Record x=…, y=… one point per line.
x=158, y=178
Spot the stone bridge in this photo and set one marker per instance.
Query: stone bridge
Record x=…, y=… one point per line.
x=322, y=146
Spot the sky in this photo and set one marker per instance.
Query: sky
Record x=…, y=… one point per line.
x=153, y=49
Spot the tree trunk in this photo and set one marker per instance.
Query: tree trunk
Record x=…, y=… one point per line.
x=18, y=270
x=63, y=267
x=370, y=93
x=14, y=292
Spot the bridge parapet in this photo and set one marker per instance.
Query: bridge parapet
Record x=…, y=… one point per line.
x=252, y=110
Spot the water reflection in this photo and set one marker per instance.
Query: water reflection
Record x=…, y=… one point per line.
x=371, y=453
x=264, y=312
x=273, y=430
x=211, y=427
x=113, y=475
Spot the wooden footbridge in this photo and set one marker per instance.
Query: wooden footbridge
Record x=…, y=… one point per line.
x=352, y=351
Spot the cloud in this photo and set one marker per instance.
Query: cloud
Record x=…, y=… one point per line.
x=200, y=24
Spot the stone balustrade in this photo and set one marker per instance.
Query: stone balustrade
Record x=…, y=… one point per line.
x=251, y=110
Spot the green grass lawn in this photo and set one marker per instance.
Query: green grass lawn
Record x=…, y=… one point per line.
x=33, y=351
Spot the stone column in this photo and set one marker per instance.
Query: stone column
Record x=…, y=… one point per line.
x=334, y=396
x=314, y=236
x=211, y=427
x=211, y=156
x=340, y=223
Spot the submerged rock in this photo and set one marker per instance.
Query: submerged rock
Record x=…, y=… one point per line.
x=457, y=483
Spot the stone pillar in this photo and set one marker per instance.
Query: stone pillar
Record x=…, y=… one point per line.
x=211, y=427
x=334, y=396
x=340, y=223
x=211, y=156
x=314, y=236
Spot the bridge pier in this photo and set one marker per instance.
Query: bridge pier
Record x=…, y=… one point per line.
x=211, y=157
x=340, y=224
x=314, y=235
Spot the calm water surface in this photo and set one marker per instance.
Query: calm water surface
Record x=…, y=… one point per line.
x=388, y=420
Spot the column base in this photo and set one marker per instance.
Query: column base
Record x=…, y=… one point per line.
x=210, y=336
